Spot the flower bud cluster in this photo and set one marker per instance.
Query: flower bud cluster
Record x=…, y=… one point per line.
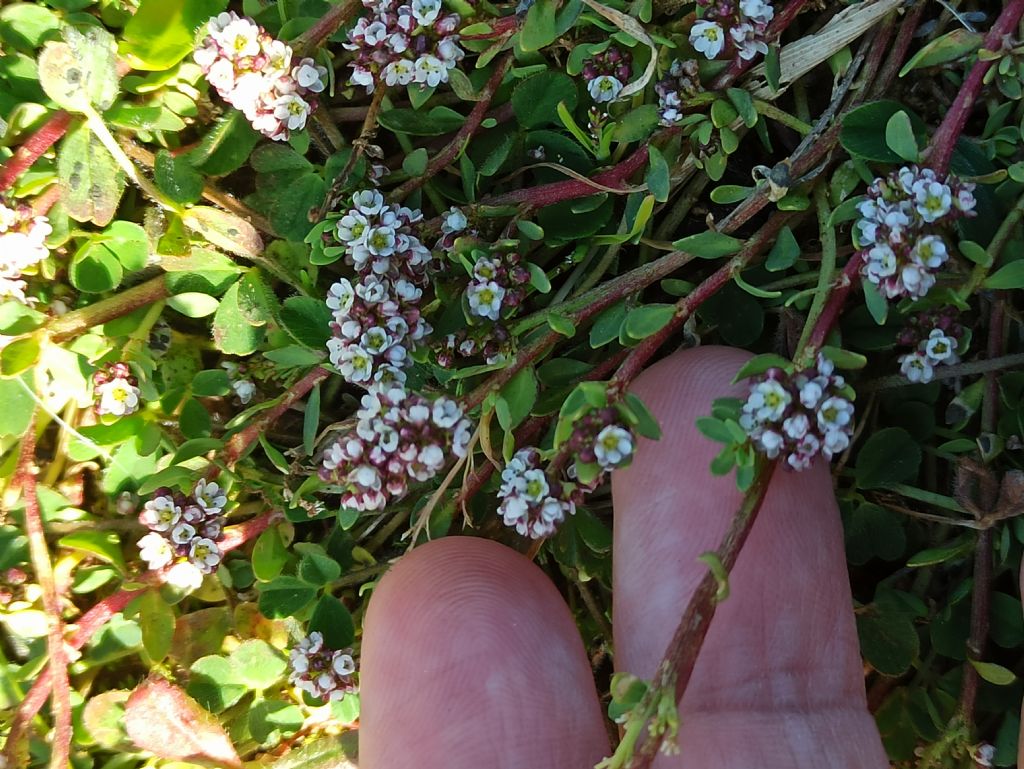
x=799, y=416
x=323, y=673
x=12, y=585
x=493, y=343
x=454, y=222
x=499, y=281
x=183, y=533
x=532, y=501
x=377, y=320
x=682, y=82
x=599, y=437
x=116, y=390
x=739, y=22
x=401, y=44
x=607, y=73
x=898, y=233
x=400, y=438
x=22, y=245
x=934, y=338
x=255, y=73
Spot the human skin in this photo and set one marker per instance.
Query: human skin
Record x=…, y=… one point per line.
x=471, y=660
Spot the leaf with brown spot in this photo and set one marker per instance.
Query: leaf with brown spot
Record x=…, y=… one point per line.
x=162, y=719
x=91, y=183
x=224, y=230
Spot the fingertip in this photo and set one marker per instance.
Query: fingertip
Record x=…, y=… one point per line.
x=471, y=659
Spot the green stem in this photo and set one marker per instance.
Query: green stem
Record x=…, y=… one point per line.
x=770, y=111
x=826, y=274
x=70, y=325
x=995, y=249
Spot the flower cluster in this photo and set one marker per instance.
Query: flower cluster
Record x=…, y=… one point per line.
x=242, y=385
x=682, y=82
x=898, y=230
x=532, y=501
x=116, y=390
x=401, y=44
x=600, y=440
x=740, y=22
x=934, y=338
x=377, y=321
x=326, y=674
x=255, y=73
x=799, y=416
x=499, y=281
x=183, y=533
x=400, y=438
x=22, y=245
x=607, y=73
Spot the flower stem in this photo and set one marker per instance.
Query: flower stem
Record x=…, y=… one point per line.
x=465, y=133
x=33, y=147
x=335, y=17
x=953, y=123
x=74, y=323
x=826, y=273
x=40, y=555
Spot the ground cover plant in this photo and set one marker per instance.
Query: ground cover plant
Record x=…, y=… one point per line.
x=289, y=288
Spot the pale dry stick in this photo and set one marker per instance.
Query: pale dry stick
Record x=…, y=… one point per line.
x=423, y=517
x=39, y=553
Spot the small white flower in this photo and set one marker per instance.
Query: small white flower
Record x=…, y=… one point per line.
x=426, y=11
x=343, y=664
x=757, y=11
x=930, y=251
x=796, y=426
x=485, y=299
x=184, y=576
x=118, y=397
x=772, y=442
x=209, y=496
x=768, y=401
x=535, y=485
x=708, y=38
x=356, y=364
x=160, y=513
x=155, y=550
x=916, y=279
x=454, y=221
x=613, y=447
x=604, y=88
x=368, y=202
x=244, y=389
x=747, y=43
x=835, y=442
x=446, y=413
x=430, y=71
x=310, y=76
x=205, y=554
x=399, y=72
x=380, y=241
x=241, y=38
x=182, y=533
x=939, y=347
x=916, y=367
x=932, y=199
x=835, y=413
x=292, y=110
x=810, y=393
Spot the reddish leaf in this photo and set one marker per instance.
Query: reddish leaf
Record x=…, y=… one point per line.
x=161, y=718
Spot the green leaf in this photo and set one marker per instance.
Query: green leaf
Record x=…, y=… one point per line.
x=844, y=359
x=311, y=420
x=439, y=120
x=520, y=393
x=26, y=25
x=269, y=554
x=760, y=364
x=608, y=325
x=194, y=420
x=878, y=305
x=730, y=193
x=257, y=664
x=863, y=133
x=899, y=136
x=232, y=331
x=224, y=230
x=646, y=425
x=648, y=319
x=80, y=74
x=415, y=163
x=709, y=245
x=318, y=569
x=211, y=383
x=975, y=253
x=270, y=720
x=562, y=325
x=91, y=182
x=95, y=270
x=105, y=545
x=659, y=177
x=773, y=68
x=307, y=320
x=744, y=105
x=285, y=597
x=334, y=621
x=177, y=178
x=162, y=32
x=993, y=673
x=535, y=100
x=936, y=555
x=784, y=252
x=950, y=47
x=637, y=124
x=889, y=456
x=156, y=620
x=226, y=146
x=214, y=683
x=888, y=640
x=1008, y=276
x=540, y=27
x=193, y=304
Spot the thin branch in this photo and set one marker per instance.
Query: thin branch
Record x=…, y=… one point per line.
x=1002, y=363
x=79, y=321
x=33, y=148
x=333, y=20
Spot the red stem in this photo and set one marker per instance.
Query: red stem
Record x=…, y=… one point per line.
x=33, y=147
x=953, y=124
x=499, y=27
x=833, y=308
x=458, y=142
x=240, y=442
